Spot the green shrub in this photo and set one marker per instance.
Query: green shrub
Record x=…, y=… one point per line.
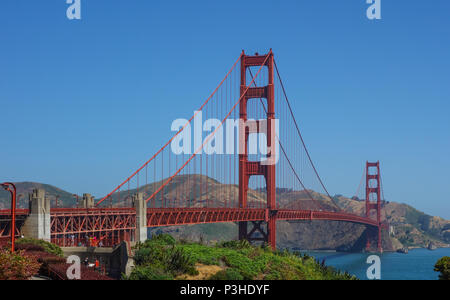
x=443, y=266
x=46, y=246
x=242, y=244
x=29, y=248
x=161, y=257
x=227, y=274
x=147, y=255
x=178, y=262
x=163, y=239
x=161, y=253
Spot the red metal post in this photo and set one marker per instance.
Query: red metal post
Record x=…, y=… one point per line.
x=10, y=187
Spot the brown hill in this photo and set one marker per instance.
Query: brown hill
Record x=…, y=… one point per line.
x=65, y=199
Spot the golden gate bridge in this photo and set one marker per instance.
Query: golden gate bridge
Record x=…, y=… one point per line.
x=198, y=187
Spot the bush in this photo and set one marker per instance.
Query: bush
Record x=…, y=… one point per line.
x=29, y=247
x=146, y=255
x=237, y=245
x=160, y=257
x=162, y=239
x=179, y=262
x=227, y=274
x=28, y=244
x=443, y=266
x=16, y=266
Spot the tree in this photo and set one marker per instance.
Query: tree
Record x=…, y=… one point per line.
x=443, y=266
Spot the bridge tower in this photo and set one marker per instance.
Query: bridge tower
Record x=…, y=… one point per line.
x=254, y=168
x=373, y=189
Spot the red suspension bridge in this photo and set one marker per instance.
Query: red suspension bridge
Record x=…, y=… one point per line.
x=248, y=164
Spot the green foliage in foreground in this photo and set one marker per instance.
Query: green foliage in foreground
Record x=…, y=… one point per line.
x=163, y=258
x=46, y=246
x=443, y=266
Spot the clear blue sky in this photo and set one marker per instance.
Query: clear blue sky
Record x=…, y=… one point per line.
x=83, y=103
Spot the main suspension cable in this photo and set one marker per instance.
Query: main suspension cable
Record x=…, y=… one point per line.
x=301, y=137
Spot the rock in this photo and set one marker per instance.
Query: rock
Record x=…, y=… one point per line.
x=431, y=246
x=403, y=250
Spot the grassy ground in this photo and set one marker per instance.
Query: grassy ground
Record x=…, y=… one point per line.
x=164, y=258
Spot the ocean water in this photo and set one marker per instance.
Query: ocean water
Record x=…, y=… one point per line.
x=418, y=264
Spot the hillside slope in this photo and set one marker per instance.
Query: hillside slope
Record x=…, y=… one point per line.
x=65, y=199
x=162, y=258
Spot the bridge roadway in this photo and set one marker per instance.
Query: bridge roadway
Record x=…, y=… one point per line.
x=72, y=221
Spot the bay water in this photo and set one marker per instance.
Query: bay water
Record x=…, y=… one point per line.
x=418, y=264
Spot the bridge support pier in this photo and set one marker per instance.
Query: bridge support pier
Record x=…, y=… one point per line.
x=263, y=232
x=141, y=218
x=243, y=231
x=37, y=225
x=88, y=201
x=373, y=237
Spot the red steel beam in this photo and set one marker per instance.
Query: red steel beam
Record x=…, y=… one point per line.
x=70, y=221
x=10, y=187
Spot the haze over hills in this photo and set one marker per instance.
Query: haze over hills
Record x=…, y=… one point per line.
x=410, y=227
